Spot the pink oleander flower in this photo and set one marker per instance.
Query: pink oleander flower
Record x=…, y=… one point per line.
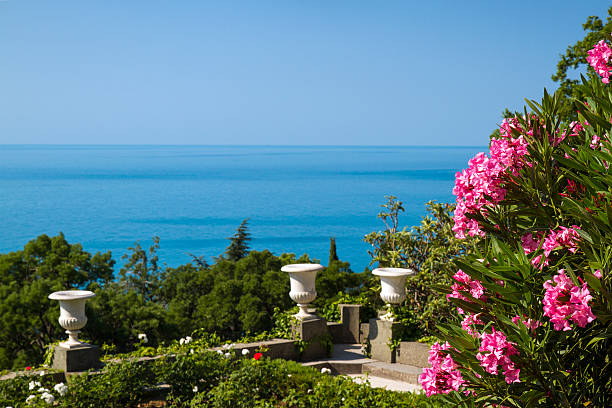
x=529, y=323
x=598, y=58
x=565, y=301
x=494, y=351
x=597, y=274
x=595, y=143
x=562, y=238
x=530, y=245
x=470, y=320
x=466, y=285
x=442, y=377
x=480, y=184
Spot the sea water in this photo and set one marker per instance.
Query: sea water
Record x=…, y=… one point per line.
x=194, y=197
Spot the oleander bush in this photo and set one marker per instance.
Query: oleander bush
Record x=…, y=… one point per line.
x=534, y=305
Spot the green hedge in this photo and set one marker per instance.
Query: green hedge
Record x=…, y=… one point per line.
x=208, y=379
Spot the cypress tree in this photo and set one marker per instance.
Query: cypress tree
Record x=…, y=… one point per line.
x=333, y=256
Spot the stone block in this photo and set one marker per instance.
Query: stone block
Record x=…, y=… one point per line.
x=381, y=334
x=314, y=333
x=413, y=353
x=364, y=332
x=336, y=330
x=349, y=315
x=81, y=358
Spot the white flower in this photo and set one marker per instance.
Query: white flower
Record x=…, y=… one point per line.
x=288, y=375
x=41, y=389
x=325, y=370
x=191, y=351
x=42, y=373
x=49, y=398
x=61, y=389
x=188, y=339
x=228, y=354
x=143, y=337
x=245, y=352
x=219, y=352
x=182, y=341
x=33, y=384
x=195, y=389
x=9, y=407
x=30, y=398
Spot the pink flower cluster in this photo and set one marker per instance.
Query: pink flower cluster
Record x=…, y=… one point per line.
x=598, y=58
x=483, y=178
x=562, y=238
x=529, y=323
x=470, y=320
x=495, y=350
x=574, y=128
x=566, y=301
x=465, y=284
x=442, y=377
x=596, y=142
x=530, y=245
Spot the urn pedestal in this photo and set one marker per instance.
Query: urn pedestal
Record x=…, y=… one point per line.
x=309, y=328
x=72, y=354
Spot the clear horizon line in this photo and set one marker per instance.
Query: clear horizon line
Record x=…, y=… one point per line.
x=232, y=145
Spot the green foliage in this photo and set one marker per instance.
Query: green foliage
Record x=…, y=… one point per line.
x=275, y=383
x=141, y=273
x=333, y=255
x=14, y=392
x=239, y=242
x=208, y=379
x=119, y=385
x=27, y=317
x=189, y=374
x=575, y=59
x=244, y=298
x=427, y=248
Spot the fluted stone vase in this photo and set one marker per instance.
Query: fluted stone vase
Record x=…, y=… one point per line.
x=393, y=287
x=72, y=314
x=302, y=278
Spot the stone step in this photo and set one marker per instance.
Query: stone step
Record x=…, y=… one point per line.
x=348, y=360
x=399, y=372
x=345, y=359
x=381, y=382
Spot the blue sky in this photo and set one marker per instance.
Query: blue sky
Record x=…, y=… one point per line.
x=275, y=72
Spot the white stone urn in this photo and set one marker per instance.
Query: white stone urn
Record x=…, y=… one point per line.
x=72, y=314
x=393, y=287
x=302, y=279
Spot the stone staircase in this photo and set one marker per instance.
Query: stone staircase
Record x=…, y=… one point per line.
x=348, y=360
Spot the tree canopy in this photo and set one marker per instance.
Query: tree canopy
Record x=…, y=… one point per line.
x=575, y=59
x=239, y=242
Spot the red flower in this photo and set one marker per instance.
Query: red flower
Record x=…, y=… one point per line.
x=28, y=368
x=257, y=356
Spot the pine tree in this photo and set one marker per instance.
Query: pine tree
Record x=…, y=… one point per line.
x=333, y=256
x=239, y=247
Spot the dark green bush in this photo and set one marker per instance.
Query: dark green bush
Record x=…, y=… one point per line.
x=118, y=386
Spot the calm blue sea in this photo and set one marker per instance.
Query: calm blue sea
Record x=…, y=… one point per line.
x=193, y=197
